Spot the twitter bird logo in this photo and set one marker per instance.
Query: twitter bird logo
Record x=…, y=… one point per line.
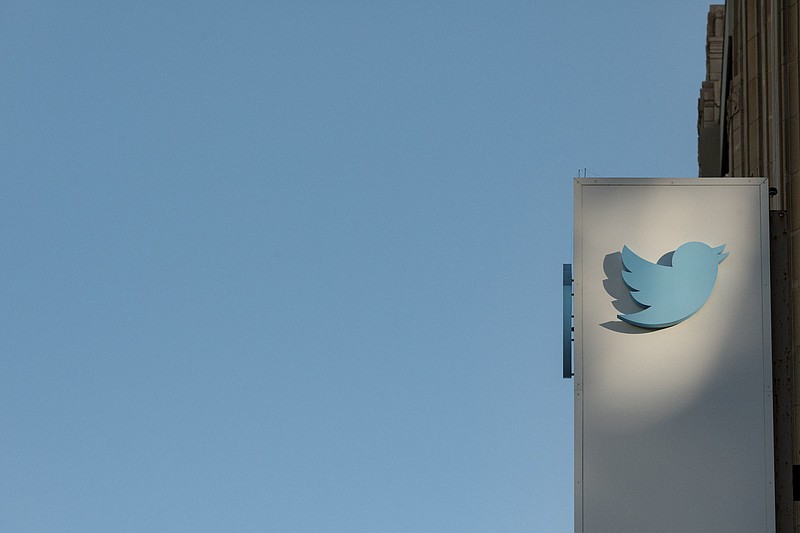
x=673, y=293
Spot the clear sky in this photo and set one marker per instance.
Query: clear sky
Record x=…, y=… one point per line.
x=295, y=266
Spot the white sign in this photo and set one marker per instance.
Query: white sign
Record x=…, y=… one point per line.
x=673, y=400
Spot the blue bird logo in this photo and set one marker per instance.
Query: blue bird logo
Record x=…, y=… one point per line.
x=671, y=293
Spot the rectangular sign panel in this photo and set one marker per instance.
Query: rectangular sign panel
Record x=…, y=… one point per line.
x=673, y=400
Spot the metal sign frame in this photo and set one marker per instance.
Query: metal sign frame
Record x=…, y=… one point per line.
x=675, y=506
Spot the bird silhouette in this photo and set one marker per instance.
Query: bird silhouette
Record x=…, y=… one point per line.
x=671, y=293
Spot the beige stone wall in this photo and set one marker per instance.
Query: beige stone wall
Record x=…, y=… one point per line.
x=710, y=104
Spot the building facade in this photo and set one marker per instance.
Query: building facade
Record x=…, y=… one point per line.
x=748, y=126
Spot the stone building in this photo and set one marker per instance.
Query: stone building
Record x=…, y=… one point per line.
x=749, y=125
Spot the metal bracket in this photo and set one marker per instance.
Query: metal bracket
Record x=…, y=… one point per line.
x=567, y=321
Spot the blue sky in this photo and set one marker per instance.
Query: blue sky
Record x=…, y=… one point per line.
x=296, y=266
